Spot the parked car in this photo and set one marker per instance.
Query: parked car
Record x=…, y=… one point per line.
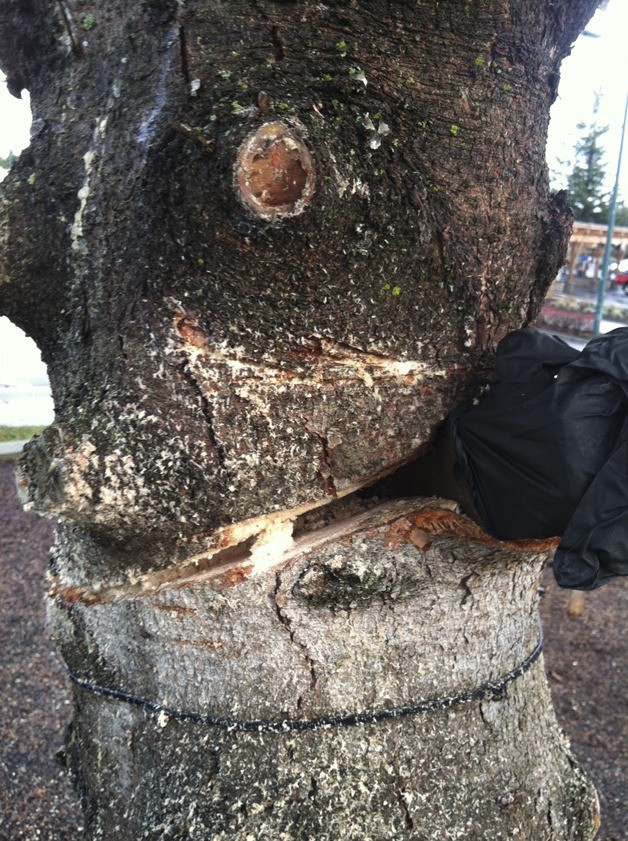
x=621, y=281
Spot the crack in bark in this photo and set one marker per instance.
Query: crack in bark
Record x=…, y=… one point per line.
x=404, y=808
x=70, y=26
x=287, y=624
x=208, y=417
x=329, y=485
x=185, y=67
x=280, y=52
x=278, y=47
x=466, y=590
x=123, y=350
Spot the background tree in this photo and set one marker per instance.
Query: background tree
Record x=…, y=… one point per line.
x=7, y=163
x=586, y=183
x=621, y=217
x=265, y=247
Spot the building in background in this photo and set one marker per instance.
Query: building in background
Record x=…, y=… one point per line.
x=584, y=256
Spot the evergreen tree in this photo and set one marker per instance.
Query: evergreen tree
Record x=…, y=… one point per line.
x=7, y=163
x=621, y=217
x=587, y=195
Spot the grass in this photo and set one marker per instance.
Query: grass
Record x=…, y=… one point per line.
x=18, y=433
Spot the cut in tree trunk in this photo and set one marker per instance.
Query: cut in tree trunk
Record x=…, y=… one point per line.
x=265, y=247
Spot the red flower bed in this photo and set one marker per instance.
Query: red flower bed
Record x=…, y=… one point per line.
x=566, y=321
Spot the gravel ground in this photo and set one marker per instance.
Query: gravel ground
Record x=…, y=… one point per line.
x=586, y=660
x=36, y=799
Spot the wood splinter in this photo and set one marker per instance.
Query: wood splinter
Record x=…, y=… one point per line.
x=419, y=529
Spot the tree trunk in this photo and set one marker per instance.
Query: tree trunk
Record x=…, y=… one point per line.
x=358, y=688
x=265, y=247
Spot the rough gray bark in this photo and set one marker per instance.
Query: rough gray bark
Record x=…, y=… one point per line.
x=265, y=247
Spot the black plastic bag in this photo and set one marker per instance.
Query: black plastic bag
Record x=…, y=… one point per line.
x=545, y=451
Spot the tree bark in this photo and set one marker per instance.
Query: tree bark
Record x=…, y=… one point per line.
x=265, y=247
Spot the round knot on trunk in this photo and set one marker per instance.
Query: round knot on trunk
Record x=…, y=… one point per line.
x=274, y=172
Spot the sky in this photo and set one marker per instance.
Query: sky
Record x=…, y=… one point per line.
x=595, y=64
x=24, y=391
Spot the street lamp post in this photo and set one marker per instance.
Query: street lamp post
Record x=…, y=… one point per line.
x=603, y=282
